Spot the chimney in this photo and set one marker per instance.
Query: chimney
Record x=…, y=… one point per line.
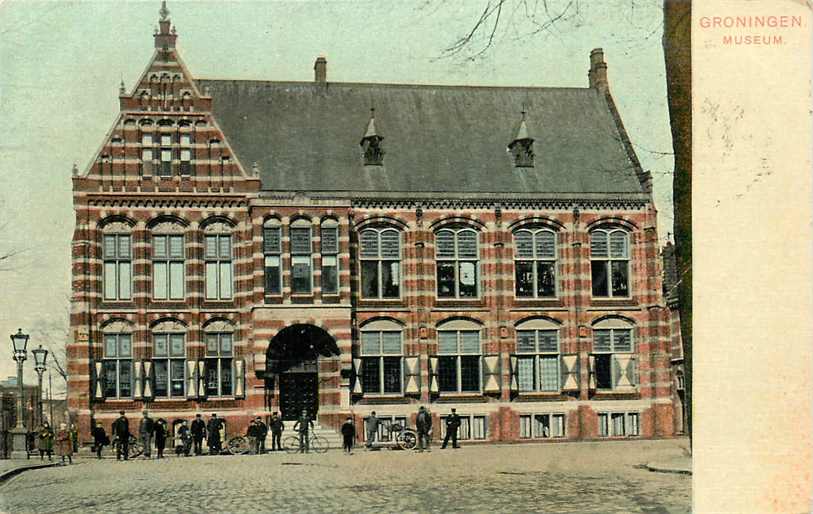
x=320, y=69
x=597, y=76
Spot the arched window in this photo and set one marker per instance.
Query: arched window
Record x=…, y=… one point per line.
x=614, y=363
x=118, y=255
x=117, y=363
x=535, y=263
x=219, y=358
x=538, y=356
x=272, y=250
x=218, y=259
x=459, y=355
x=168, y=275
x=301, y=257
x=382, y=357
x=168, y=358
x=329, y=248
x=380, y=263
x=457, y=254
x=609, y=262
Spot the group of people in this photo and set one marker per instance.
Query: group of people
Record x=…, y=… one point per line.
x=66, y=441
x=423, y=426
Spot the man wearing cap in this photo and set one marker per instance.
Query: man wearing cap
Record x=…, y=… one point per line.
x=121, y=431
x=198, y=430
x=277, y=426
x=146, y=427
x=423, y=422
x=213, y=428
x=452, y=424
x=262, y=433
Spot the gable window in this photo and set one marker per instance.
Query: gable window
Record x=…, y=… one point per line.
x=272, y=250
x=380, y=263
x=457, y=261
x=168, y=267
x=117, y=365
x=609, y=262
x=458, y=361
x=218, y=259
x=301, y=258
x=535, y=263
x=219, y=353
x=168, y=357
x=538, y=360
x=185, y=153
x=329, y=236
x=117, y=278
x=614, y=358
x=381, y=357
x=146, y=149
x=165, y=169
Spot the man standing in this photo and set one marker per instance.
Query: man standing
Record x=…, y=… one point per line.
x=277, y=426
x=452, y=424
x=146, y=427
x=198, y=430
x=348, y=434
x=302, y=425
x=213, y=428
x=372, y=429
x=423, y=422
x=262, y=433
x=251, y=434
x=160, y=436
x=121, y=431
x=100, y=439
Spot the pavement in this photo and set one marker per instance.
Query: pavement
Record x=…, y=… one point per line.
x=12, y=467
x=588, y=477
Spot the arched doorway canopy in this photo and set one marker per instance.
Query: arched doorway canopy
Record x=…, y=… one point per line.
x=298, y=343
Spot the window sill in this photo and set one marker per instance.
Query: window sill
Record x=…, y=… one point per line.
x=538, y=302
x=539, y=395
x=616, y=394
x=462, y=397
x=613, y=302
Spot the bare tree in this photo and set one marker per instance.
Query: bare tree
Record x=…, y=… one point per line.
x=523, y=19
x=53, y=334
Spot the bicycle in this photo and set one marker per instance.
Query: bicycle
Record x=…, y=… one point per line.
x=403, y=437
x=315, y=444
x=237, y=445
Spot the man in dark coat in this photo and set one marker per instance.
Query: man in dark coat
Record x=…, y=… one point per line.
x=213, y=431
x=100, y=439
x=146, y=427
x=160, y=433
x=198, y=430
x=372, y=429
x=252, y=433
x=303, y=426
x=277, y=426
x=452, y=424
x=423, y=422
x=121, y=431
x=262, y=433
x=348, y=435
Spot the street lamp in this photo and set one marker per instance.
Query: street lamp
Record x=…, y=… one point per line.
x=40, y=358
x=19, y=438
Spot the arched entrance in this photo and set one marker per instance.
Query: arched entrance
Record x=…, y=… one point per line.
x=292, y=357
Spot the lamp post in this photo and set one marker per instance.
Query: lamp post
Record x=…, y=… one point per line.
x=40, y=358
x=19, y=437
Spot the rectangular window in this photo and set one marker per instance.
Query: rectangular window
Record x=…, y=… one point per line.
x=457, y=254
x=301, y=261
x=380, y=255
x=535, y=263
x=168, y=267
x=609, y=266
x=538, y=360
x=330, y=260
x=608, y=346
x=166, y=163
x=117, y=267
x=169, y=356
x=218, y=256
x=117, y=366
x=382, y=367
x=471, y=427
x=618, y=424
x=541, y=426
x=459, y=361
x=272, y=249
x=218, y=364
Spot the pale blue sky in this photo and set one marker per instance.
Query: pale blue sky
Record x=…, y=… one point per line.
x=61, y=63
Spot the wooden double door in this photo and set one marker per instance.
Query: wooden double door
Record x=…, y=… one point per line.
x=298, y=390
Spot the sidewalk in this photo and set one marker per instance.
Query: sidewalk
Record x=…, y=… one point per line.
x=681, y=465
x=12, y=467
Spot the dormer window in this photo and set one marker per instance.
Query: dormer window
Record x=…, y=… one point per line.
x=371, y=144
x=522, y=146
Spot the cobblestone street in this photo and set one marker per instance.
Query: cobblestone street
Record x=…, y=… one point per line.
x=572, y=477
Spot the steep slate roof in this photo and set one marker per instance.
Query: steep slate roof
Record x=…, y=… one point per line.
x=305, y=137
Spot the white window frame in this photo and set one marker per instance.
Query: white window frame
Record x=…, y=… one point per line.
x=538, y=355
x=466, y=430
x=610, y=258
x=631, y=421
x=119, y=262
x=219, y=260
x=272, y=255
x=301, y=256
x=218, y=358
x=614, y=327
x=458, y=355
x=381, y=355
x=537, y=258
x=457, y=261
x=119, y=360
x=533, y=425
x=168, y=358
x=383, y=432
x=381, y=261
x=328, y=254
x=168, y=260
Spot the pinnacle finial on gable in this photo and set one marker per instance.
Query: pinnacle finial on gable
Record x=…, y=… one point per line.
x=371, y=143
x=165, y=35
x=521, y=147
x=164, y=12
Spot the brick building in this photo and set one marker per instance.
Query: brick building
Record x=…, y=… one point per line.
x=245, y=246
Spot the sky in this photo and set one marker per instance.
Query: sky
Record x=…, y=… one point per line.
x=62, y=62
